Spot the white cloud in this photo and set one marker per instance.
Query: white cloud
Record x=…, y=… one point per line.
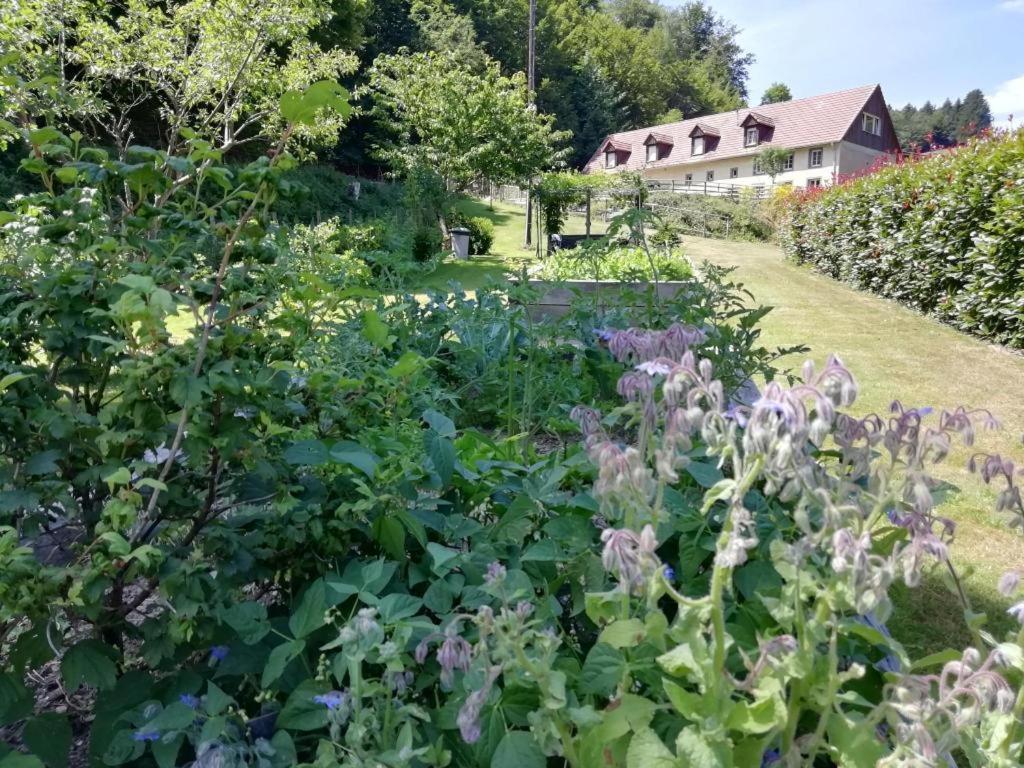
x=1008, y=99
x=1012, y=5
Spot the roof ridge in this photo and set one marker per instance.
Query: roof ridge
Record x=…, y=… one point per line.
x=748, y=108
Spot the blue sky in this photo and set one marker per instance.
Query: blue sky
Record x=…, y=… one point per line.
x=928, y=49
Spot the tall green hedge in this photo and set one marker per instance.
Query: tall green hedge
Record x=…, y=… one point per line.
x=943, y=234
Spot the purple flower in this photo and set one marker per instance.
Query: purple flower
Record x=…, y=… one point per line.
x=189, y=700
x=1017, y=611
x=495, y=572
x=670, y=574
x=219, y=652
x=604, y=334
x=455, y=653
x=146, y=736
x=770, y=756
x=737, y=414
x=332, y=699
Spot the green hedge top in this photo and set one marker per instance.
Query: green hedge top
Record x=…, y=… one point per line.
x=942, y=234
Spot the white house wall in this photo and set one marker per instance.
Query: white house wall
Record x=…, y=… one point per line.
x=798, y=176
x=855, y=157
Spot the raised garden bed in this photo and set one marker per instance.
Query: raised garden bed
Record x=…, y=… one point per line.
x=557, y=296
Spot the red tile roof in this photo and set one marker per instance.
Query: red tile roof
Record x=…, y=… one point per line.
x=798, y=123
x=658, y=138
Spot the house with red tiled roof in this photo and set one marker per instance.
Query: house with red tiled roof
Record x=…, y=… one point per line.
x=827, y=136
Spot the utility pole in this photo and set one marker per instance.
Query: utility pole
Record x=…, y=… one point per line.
x=531, y=86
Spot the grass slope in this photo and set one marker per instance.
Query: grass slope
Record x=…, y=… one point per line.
x=895, y=354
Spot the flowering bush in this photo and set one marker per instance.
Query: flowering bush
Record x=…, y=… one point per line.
x=940, y=234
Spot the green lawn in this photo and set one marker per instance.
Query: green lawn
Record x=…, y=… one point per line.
x=507, y=255
x=895, y=354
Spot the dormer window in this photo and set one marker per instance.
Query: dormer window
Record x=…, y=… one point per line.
x=703, y=138
x=757, y=128
x=610, y=158
x=872, y=124
x=657, y=146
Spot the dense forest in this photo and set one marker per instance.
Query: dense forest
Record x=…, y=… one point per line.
x=603, y=68
x=928, y=127
x=599, y=67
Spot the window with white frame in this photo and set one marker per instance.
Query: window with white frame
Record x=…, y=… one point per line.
x=698, y=145
x=758, y=170
x=752, y=137
x=734, y=172
x=688, y=178
x=787, y=164
x=872, y=124
x=709, y=176
x=813, y=183
x=815, y=157
x=652, y=153
x=610, y=159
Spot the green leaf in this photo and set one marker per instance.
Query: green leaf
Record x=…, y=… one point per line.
x=90, y=662
x=856, y=742
x=20, y=760
x=395, y=607
x=439, y=423
x=120, y=476
x=390, y=534
x=646, y=750
x=441, y=555
x=249, y=620
x=408, y=364
x=165, y=751
x=518, y=749
x=690, y=705
x=188, y=390
x=216, y=700
x=705, y=473
x=15, y=699
x=439, y=597
x=938, y=659
x=756, y=718
x=347, y=452
x=45, y=135
x=300, y=712
x=603, y=669
x=545, y=550
x=11, y=379
x=375, y=331
x=624, y=633
x=441, y=452
x=49, y=737
x=279, y=658
x=174, y=717
x=693, y=748
x=308, y=616
x=306, y=453
x=42, y=463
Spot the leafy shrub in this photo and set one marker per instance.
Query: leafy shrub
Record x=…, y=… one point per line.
x=327, y=251
x=426, y=244
x=612, y=262
x=940, y=234
x=481, y=232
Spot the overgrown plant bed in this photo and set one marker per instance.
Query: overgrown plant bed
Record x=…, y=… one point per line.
x=553, y=299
